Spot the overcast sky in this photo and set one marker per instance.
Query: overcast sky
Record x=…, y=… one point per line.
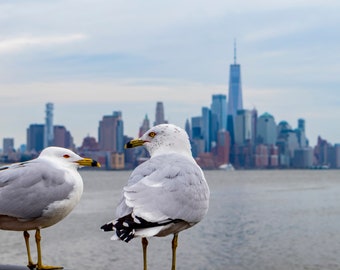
x=91, y=58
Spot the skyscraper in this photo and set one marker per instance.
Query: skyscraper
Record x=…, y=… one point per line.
x=235, y=102
x=219, y=107
x=266, y=129
x=35, y=137
x=197, y=135
x=243, y=125
x=111, y=133
x=159, y=114
x=62, y=137
x=206, y=131
x=48, y=130
x=218, y=115
x=145, y=126
x=188, y=128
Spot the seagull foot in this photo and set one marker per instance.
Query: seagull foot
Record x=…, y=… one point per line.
x=32, y=266
x=48, y=267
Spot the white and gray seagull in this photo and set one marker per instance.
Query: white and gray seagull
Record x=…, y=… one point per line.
x=166, y=194
x=39, y=193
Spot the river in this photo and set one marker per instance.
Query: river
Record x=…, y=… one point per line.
x=257, y=220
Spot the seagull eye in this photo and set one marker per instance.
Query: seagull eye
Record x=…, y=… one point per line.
x=66, y=156
x=152, y=134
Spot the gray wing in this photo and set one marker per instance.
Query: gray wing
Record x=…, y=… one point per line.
x=26, y=189
x=168, y=187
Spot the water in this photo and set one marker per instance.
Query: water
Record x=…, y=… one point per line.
x=257, y=220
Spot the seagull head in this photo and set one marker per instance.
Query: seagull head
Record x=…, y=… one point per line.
x=68, y=157
x=162, y=139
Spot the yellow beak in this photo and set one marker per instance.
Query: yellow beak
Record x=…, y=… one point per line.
x=134, y=143
x=88, y=162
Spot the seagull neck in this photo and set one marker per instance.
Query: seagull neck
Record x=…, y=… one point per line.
x=171, y=151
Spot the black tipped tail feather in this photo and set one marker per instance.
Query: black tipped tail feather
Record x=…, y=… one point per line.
x=125, y=227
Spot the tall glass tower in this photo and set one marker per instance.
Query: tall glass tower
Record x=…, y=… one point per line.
x=218, y=114
x=49, y=132
x=235, y=102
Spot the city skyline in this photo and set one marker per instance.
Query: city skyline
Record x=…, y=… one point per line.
x=129, y=56
x=159, y=112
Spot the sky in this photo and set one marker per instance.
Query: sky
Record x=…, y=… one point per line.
x=91, y=58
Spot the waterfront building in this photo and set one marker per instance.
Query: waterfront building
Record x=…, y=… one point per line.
x=253, y=125
x=223, y=148
x=261, y=156
x=322, y=153
x=111, y=133
x=301, y=133
x=35, y=137
x=266, y=132
x=120, y=132
x=7, y=146
x=218, y=114
x=335, y=161
x=206, y=128
x=243, y=127
x=287, y=142
x=198, y=142
x=62, y=137
x=303, y=158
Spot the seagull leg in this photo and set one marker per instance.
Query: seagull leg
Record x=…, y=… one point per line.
x=145, y=245
x=174, y=246
x=31, y=264
x=40, y=265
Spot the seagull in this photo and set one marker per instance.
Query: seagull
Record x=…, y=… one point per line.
x=164, y=195
x=39, y=193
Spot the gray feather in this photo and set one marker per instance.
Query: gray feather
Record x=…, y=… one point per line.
x=26, y=189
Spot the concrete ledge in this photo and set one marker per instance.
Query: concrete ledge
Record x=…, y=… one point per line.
x=12, y=267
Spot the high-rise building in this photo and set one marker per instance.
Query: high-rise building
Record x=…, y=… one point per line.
x=197, y=135
x=120, y=132
x=266, y=129
x=48, y=130
x=145, y=126
x=218, y=115
x=159, y=114
x=301, y=133
x=187, y=128
x=243, y=127
x=223, y=147
x=253, y=125
x=35, y=137
x=302, y=124
x=7, y=145
x=62, y=137
x=196, y=127
x=111, y=133
x=235, y=102
x=206, y=124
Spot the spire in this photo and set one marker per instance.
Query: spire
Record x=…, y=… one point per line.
x=235, y=51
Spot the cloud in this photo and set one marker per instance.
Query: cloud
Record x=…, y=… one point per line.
x=16, y=44
x=106, y=91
